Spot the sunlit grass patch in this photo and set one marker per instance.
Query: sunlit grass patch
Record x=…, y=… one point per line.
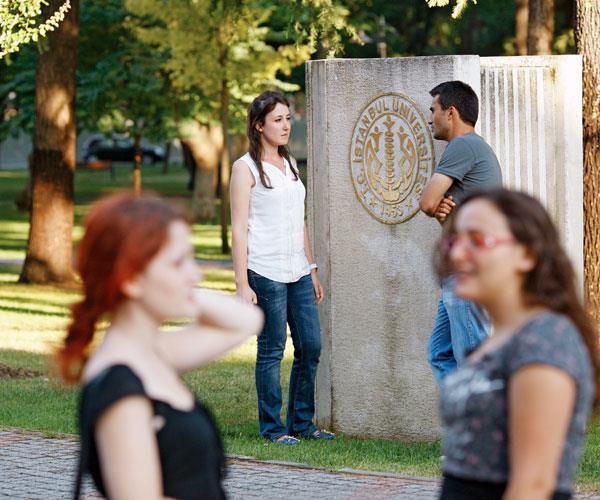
x=206, y=239
x=34, y=317
x=218, y=279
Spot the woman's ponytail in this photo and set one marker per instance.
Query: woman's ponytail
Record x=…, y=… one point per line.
x=80, y=334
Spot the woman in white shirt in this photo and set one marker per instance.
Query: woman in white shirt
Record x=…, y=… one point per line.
x=274, y=268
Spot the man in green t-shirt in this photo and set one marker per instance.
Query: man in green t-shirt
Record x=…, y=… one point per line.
x=467, y=164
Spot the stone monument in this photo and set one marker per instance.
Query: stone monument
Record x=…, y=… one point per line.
x=370, y=152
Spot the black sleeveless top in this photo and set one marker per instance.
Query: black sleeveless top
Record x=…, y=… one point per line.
x=191, y=454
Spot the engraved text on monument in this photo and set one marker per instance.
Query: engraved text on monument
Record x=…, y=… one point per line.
x=391, y=157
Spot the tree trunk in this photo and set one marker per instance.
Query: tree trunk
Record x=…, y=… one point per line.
x=136, y=172
x=168, y=147
x=521, y=20
x=225, y=167
x=238, y=145
x=540, y=27
x=468, y=39
x=49, y=249
x=188, y=161
x=587, y=27
x=204, y=143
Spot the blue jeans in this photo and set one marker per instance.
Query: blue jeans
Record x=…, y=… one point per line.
x=282, y=303
x=460, y=326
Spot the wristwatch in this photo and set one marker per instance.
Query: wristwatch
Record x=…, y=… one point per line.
x=313, y=266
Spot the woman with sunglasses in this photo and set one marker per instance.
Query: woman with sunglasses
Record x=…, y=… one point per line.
x=274, y=268
x=515, y=412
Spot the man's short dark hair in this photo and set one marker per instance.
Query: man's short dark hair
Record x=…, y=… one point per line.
x=461, y=96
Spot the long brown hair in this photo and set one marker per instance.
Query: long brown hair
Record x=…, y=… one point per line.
x=123, y=232
x=551, y=283
x=260, y=107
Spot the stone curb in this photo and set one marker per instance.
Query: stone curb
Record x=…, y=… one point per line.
x=328, y=470
x=391, y=475
x=42, y=434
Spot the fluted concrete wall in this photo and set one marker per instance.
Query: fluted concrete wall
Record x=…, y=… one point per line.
x=530, y=113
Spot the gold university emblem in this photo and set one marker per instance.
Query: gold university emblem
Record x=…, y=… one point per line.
x=391, y=157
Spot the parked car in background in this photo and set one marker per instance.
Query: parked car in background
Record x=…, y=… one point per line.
x=119, y=149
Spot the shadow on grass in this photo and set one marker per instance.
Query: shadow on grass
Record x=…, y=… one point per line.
x=9, y=272
x=13, y=245
x=36, y=311
x=36, y=301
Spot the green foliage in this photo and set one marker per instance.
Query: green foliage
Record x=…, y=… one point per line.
x=121, y=85
x=124, y=80
x=458, y=9
x=415, y=29
x=492, y=19
x=320, y=24
x=229, y=47
x=20, y=23
x=172, y=71
x=17, y=92
x=249, y=44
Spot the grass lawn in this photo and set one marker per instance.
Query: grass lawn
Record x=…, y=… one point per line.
x=34, y=319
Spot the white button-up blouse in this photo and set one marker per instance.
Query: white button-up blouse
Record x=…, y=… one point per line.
x=276, y=224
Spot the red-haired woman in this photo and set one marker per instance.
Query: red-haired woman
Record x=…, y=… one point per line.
x=143, y=433
x=515, y=412
x=274, y=268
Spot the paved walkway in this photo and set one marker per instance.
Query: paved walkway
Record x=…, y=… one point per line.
x=36, y=467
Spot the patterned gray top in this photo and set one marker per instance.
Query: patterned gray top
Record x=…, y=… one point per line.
x=473, y=403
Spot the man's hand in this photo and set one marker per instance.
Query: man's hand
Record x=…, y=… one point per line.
x=434, y=192
x=444, y=209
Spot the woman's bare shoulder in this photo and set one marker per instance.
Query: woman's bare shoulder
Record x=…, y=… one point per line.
x=111, y=353
x=241, y=170
x=98, y=363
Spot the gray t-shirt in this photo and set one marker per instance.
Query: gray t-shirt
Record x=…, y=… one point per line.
x=474, y=400
x=471, y=162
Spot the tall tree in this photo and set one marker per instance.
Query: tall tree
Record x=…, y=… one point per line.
x=122, y=87
x=540, y=27
x=49, y=249
x=587, y=28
